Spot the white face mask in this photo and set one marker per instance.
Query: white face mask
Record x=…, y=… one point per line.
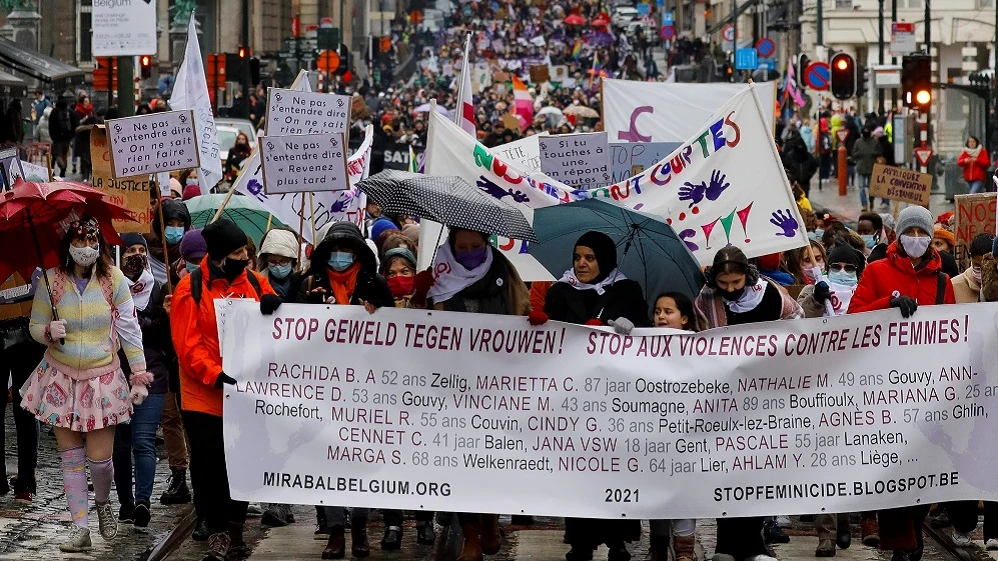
x=915, y=247
x=84, y=256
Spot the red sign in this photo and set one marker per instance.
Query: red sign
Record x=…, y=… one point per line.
x=842, y=134
x=923, y=155
x=296, y=27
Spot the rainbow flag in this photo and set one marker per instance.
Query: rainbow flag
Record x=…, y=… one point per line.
x=577, y=49
x=524, y=102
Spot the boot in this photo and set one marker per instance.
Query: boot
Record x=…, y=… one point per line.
x=425, y=534
x=472, y=549
x=336, y=546
x=201, y=532
x=684, y=547
x=491, y=536
x=177, y=493
x=237, y=547
x=826, y=548
x=658, y=548
x=358, y=537
x=392, y=539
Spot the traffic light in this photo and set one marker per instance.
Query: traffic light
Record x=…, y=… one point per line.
x=145, y=64
x=862, y=77
x=916, y=81
x=243, y=52
x=254, y=66
x=800, y=65
x=843, y=76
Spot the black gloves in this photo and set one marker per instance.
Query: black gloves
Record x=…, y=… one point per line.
x=224, y=378
x=906, y=304
x=269, y=303
x=822, y=292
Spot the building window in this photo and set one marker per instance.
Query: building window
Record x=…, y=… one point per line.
x=843, y=4
x=985, y=3
x=84, y=31
x=914, y=3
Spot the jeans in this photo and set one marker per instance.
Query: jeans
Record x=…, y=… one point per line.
x=137, y=438
x=976, y=186
x=864, y=184
x=682, y=527
x=337, y=515
x=22, y=359
x=209, y=476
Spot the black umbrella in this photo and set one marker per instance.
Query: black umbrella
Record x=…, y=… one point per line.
x=449, y=200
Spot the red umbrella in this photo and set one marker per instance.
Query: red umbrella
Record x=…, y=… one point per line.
x=37, y=211
x=575, y=19
x=600, y=22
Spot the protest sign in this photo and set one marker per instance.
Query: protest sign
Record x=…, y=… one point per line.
x=297, y=112
x=628, y=159
x=669, y=112
x=581, y=160
x=329, y=206
x=306, y=162
x=975, y=214
x=540, y=74
x=10, y=166
x=132, y=192
x=900, y=184
x=29, y=171
x=151, y=143
x=396, y=155
x=123, y=28
x=525, y=153
x=410, y=409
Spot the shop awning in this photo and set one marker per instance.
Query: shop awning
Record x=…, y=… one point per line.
x=12, y=87
x=33, y=64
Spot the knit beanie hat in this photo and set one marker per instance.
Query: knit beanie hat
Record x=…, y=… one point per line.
x=280, y=242
x=222, y=238
x=192, y=247
x=981, y=244
x=411, y=231
x=945, y=235
x=770, y=262
x=398, y=252
x=381, y=226
x=175, y=186
x=130, y=239
x=192, y=190
x=845, y=253
x=914, y=216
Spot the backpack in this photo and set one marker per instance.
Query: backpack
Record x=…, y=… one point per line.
x=196, y=285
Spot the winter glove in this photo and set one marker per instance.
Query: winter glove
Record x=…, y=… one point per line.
x=907, y=305
x=424, y=280
x=269, y=303
x=537, y=317
x=822, y=292
x=224, y=378
x=621, y=325
x=57, y=329
x=138, y=394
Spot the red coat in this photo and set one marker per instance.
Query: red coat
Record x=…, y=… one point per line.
x=974, y=169
x=895, y=273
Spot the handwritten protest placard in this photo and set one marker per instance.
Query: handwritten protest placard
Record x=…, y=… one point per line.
x=296, y=112
x=129, y=192
x=151, y=143
x=975, y=214
x=307, y=162
x=576, y=159
x=900, y=184
x=28, y=171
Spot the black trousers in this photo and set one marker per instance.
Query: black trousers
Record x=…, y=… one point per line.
x=22, y=359
x=394, y=517
x=963, y=514
x=209, y=477
x=740, y=537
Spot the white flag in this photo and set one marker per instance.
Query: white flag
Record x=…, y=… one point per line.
x=464, y=113
x=190, y=91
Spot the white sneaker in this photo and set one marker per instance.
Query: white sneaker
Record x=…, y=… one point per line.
x=962, y=540
x=783, y=521
x=106, y=521
x=254, y=509
x=761, y=558
x=79, y=540
x=991, y=545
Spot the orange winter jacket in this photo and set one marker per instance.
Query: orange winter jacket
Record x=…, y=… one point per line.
x=195, y=336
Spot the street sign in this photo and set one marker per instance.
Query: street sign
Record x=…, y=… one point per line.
x=728, y=32
x=668, y=33
x=817, y=76
x=902, y=38
x=667, y=17
x=746, y=59
x=766, y=47
x=842, y=134
x=923, y=155
x=329, y=61
x=886, y=76
x=766, y=64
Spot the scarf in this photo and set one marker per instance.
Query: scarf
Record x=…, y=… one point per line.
x=973, y=152
x=142, y=289
x=343, y=284
x=451, y=277
x=750, y=298
x=600, y=287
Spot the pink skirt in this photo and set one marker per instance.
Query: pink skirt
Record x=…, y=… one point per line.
x=79, y=405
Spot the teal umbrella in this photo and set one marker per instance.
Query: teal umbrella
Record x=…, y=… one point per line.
x=246, y=212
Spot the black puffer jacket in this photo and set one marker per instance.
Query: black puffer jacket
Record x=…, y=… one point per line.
x=161, y=359
x=370, y=287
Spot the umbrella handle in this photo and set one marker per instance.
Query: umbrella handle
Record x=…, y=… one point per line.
x=45, y=274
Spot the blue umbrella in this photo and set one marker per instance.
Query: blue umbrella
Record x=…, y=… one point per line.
x=648, y=249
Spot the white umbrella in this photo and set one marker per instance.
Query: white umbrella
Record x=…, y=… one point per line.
x=550, y=110
x=425, y=108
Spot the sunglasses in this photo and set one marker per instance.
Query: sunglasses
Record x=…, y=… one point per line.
x=839, y=267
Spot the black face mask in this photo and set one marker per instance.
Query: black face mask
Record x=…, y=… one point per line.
x=732, y=295
x=133, y=265
x=233, y=268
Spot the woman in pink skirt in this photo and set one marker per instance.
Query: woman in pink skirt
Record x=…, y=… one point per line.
x=79, y=387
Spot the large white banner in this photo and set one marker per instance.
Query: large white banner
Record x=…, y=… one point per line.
x=329, y=206
x=669, y=112
x=124, y=28
x=415, y=410
x=190, y=91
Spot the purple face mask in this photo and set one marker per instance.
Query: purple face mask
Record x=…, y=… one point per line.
x=471, y=259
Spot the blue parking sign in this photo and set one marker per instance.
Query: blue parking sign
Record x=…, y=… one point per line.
x=667, y=18
x=746, y=59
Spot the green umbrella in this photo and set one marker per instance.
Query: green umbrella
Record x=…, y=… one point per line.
x=246, y=212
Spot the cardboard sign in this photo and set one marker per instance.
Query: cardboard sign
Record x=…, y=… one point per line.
x=500, y=77
x=129, y=192
x=511, y=122
x=577, y=159
x=152, y=143
x=10, y=167
x=900, y=184
x=295, y=112
x=301, y=163
x=975, y=214
x=540, y=74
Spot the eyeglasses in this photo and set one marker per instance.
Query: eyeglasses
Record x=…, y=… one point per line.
x=839, y=267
